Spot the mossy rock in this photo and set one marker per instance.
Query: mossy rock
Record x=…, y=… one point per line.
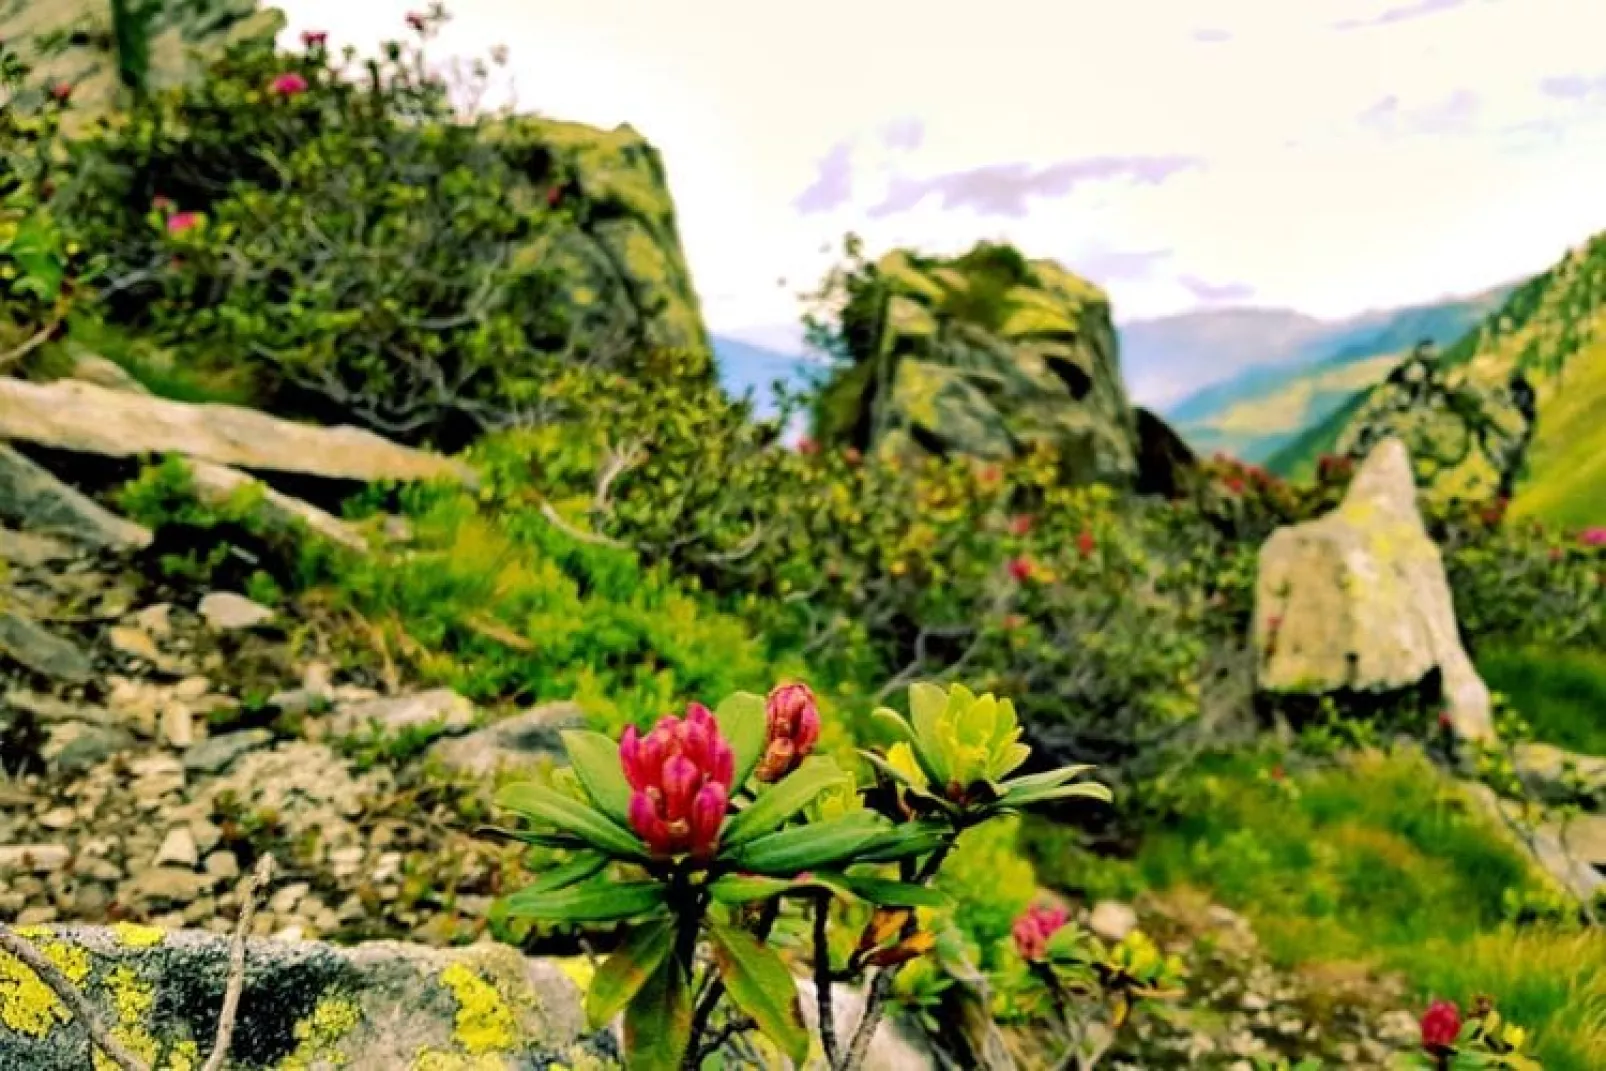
x=988, y=355
x=384, y=1006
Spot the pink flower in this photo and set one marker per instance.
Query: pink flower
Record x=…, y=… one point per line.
x=794, y=727
x=289, y=84
x=179, y=222
x=313, y=38
x=807, y=446
x=1021, y=569
x=1085, y=543
x=416, y=21
x=61, y=92
x=1593, y=537
x=1020, y=524
x=680, y=778
x=1441, y=1025
x=1033, y=929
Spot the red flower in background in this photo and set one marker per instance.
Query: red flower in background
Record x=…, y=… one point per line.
x=680, y=778
x=61, y=92
x=179, y=222
x=313, y=38
x=1085, y=543
x=807, y=446
x=1020, y=524
x=1021, y=569
x=794, y=727
x=289, y=84
x=417, y=21
x=1033, y=929
x=1593, y=537
x=1441, y=1024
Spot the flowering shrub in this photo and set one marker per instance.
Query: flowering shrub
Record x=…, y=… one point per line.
x=1480, y=1040
x=715, y=856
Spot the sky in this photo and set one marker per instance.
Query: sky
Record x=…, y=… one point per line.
x=1325, y=155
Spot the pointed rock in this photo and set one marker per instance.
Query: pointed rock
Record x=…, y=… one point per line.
x=34, y=499
x=41, y=651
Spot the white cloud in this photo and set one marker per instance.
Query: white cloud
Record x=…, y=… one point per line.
x=1300, y=200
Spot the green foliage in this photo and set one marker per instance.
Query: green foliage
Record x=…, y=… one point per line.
x=1561, y=693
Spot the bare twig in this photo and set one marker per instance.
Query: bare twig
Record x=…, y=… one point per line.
x=69, y=995
x=555, y=519
x=822, y=979
x=236, y=983
x=44, y=335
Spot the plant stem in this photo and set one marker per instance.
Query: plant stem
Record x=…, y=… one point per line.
x=822, y=978
x=236, y=982
x=698, y=1049
x=875, y=1006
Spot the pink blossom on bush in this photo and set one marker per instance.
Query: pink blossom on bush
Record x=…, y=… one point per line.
x=61, y=92
x=289, y=84
x=793, y=727
x=1033, y=929
x=680, y=778
x=179, y=222
x=313, y=38
x=1021, y=569
x=1593, y=537
x=1085, y=544
x=1441, y=1024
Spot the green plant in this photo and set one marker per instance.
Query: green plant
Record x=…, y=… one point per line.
x=720, y=854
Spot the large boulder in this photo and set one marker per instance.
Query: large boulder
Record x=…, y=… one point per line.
x=83, y=418
x=1358, y=601
x=375, y=1007
x=988, y=355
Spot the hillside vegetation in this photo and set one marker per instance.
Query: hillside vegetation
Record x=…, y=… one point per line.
x=958, y=703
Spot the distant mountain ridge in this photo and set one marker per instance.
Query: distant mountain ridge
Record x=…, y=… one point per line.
x=1268, y=404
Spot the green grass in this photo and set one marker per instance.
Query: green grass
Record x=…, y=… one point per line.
x=1560, y=693
x=1382, y=862
x=1566, y=482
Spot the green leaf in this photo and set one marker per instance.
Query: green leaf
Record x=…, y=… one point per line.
x=894, y=725
x=604, y=901
x=630, y=967
x=1087, y=790
x=571, y=816
x=782, y=800
x=896, y=893
x=745, y=726
x=902, y=779
x=733, y=889
x=760, y=985
x=658, y=1021
x=595, y=759
x=806, y=847
x=907, y=841
x=542, y=840
x=928, y=703
x=1048, y=779
x=576, y=870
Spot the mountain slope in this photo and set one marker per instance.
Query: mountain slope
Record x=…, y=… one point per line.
x=1167, y=359
x=1264, y=408
x=1546, y=340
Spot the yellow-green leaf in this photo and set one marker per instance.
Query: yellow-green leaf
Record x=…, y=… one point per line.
x=595, y=759
x=806, y=847
x=569, y=815
x=780, y=801
x=619, y=979
x=744, y=725
x=760, y=985
x=603, y=902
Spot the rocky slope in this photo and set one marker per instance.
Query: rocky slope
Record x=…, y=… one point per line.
x=1506, y=410
x=987, y=354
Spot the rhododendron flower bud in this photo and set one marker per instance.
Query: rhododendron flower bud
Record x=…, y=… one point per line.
x=680, y=777
x=179, y=222
x=288, y=84
x=1033, y=929
x=313, y=38
x=1021, y=569
x=1441, y=1024
x=1593, y=537
x=794, y=727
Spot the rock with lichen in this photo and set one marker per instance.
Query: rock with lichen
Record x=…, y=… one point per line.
x=377, y=1007
x=989, y=355
x=1357, y=601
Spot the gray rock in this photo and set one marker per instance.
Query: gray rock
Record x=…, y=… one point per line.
x=1543, y=843
x=440, y=709
x=1559, y=776
x=30, y=549
x=34, y=499
x=227, y=611
x=178, y=849
x=214, y=755
x=1358, y=599
x=1112, y=920
x=511, y=743
x=374, y=1007
x=42, y=652
x=33, y=858
x=215, y=484
x=163, y=887
x=76, y=746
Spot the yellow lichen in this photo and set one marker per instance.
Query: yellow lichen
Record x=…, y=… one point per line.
x=131, y=1001
x=136, y=936
x=332, y=1019
x=450, y=1061
x=27, y=1005
x=484, y=1021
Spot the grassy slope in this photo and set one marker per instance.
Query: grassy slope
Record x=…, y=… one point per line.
x=1566, y=481
x=1297, y=460
x=1562, y=694
x=1380, y=862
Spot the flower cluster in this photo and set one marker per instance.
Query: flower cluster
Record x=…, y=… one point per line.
x=1033, y=929
x=1441, y=1025
x=680, y=779
x=793, y=728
